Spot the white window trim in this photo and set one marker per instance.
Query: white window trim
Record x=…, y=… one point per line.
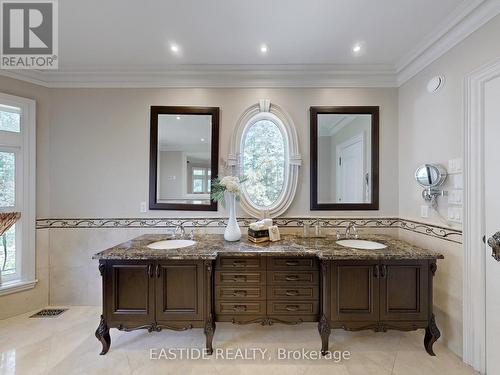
x=26, y=224
x=260, y=111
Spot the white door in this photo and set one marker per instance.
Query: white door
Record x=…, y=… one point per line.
x=492, y=212
x=350, y=171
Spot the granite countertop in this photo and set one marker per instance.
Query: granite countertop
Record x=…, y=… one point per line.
x=212, y=245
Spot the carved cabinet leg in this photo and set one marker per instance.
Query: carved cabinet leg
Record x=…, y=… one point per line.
x=102, y=334
x=209, y=333
x=324, y=331
x=431, y=335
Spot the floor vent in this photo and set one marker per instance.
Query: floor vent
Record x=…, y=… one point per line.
x=48, y=313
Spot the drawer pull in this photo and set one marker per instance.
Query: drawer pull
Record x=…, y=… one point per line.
x=237, y=263
x=292, y=292
x=292, y=263
x=239, y=278
x=291, y=307
x=239, y=308
x=291, y=277
x=240, y=293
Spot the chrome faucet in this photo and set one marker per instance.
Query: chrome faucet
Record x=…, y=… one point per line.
x=348, y=231
x=179, y=229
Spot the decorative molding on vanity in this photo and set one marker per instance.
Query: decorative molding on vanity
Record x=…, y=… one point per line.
x=432, y=230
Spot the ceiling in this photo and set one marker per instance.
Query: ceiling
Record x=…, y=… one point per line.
x=120, y=33
x=184, y=132
x=115, y=42
x=330, y=124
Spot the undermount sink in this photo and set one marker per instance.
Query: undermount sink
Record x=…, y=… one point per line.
x=362, y=244
x=171, y=244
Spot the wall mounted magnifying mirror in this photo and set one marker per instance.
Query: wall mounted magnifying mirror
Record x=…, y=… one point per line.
x=184, y=154
x=430, y=177
x=344, y=158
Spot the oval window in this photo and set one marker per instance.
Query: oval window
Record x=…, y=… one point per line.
x=263, y=162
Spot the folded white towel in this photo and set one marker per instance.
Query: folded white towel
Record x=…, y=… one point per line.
x=261, y=224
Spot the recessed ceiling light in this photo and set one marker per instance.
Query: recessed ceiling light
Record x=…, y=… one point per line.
x=178, y=117
x=356, y=48
x=263, y=48
x=174, y=48
x=203, y=139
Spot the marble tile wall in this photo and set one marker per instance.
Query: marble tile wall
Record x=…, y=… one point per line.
x=448, y=287
x=38, y=297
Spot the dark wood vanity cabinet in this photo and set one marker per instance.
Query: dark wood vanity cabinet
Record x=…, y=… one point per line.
x=373, y=291
x=129, y=292
x=267, y=289
x=179, y=291
x=354, y=291
x=347, y=294
x=156, y=295
x=378, y=295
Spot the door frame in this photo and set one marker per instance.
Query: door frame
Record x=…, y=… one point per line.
x=341, y=147
x=474, y=280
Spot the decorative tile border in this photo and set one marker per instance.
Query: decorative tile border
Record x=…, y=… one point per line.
x=444, y=233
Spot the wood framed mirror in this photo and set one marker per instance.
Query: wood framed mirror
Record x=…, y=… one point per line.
x=344, y=158
x=184, y=154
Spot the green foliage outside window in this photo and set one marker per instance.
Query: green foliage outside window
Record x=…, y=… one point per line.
x=263, y=162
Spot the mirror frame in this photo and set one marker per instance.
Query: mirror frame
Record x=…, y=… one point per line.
x=440, y=170
x=357, y=110
x=153, y=156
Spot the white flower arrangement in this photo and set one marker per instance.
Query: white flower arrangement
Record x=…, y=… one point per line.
x=231, y=184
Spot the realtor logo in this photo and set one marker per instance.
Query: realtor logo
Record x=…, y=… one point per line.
x=29, y=34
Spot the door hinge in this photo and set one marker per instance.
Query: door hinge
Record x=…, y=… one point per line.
x=340, y=161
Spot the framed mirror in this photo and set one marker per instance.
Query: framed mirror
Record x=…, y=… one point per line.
x=344, y=158
x=184, y=154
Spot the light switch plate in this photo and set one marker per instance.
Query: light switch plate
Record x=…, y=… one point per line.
x=455, y=165
x=456, y=181
x=144, y=207
x=455, y=197
x=424, y=211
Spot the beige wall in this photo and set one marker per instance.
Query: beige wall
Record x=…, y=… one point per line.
x=100, y=143
x=17, y=303
x=431, y=125
x=431, y=130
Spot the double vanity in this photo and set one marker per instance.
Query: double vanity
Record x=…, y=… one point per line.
x=154, y=283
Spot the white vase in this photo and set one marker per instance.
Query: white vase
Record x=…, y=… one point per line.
x=232, y=232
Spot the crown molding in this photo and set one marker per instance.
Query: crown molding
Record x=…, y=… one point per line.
x=215, y=76
x=466, y=19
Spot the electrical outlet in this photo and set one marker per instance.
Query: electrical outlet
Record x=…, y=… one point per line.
x=144, y=207
x=455, y=214
x=424, y=211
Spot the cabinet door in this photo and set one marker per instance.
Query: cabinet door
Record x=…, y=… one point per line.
x=354, y=291
x=404, y=290
x=179, y=291
x=129, y=293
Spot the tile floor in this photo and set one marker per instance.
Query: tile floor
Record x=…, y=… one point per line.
x=66, y=345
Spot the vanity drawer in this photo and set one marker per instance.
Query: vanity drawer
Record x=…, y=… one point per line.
x=249, y=263
x=293, y=292
x=231, y=278
x=292, y=307
x=292, y=263
x=240, y=307
x=230, y=293
x=289, y=277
